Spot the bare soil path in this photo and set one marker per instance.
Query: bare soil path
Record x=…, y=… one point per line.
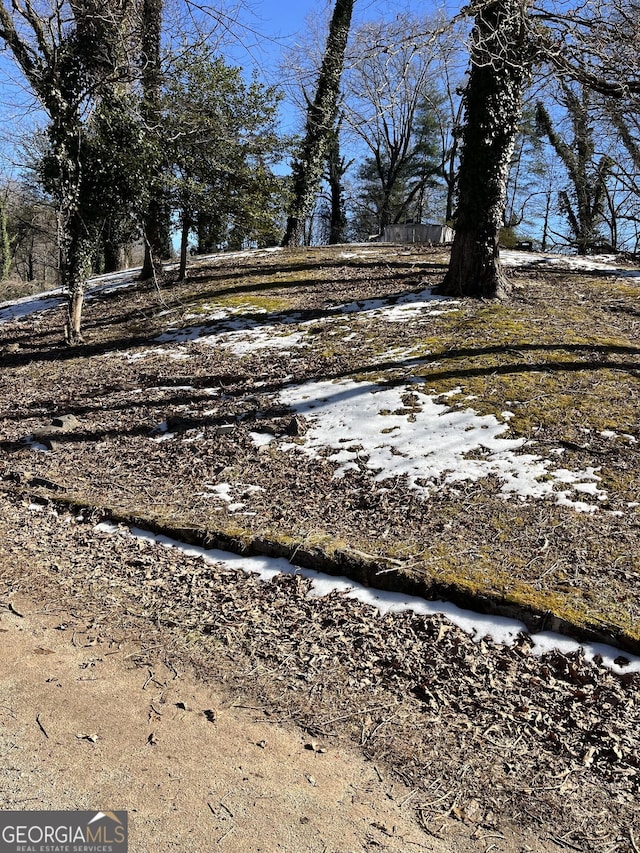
x=83, y=727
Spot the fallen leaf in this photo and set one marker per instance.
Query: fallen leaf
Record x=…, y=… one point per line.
x=91, y=738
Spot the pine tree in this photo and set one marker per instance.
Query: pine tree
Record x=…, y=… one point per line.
x=220, y=146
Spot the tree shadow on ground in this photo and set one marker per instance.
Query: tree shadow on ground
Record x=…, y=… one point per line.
x=240, y=386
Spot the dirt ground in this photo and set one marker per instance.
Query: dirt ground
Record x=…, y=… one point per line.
x=225, y=713
x=83, y=727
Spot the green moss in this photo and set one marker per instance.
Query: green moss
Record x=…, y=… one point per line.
x=259, y=301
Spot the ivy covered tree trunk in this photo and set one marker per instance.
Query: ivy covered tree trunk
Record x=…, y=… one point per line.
x=336, y=172
x=5, y=248
x=493, y=98
x=321, y=116
x=155, y=216
x=112, y=248
x=74, y=56
x=63, y=173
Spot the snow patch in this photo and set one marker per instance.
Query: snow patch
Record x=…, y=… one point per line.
x=402, y=431
x=501, y=630
x=402, y=309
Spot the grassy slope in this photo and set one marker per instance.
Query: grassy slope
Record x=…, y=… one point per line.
x=562, y=356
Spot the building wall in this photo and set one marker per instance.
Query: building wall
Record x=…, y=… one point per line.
x=417, y=233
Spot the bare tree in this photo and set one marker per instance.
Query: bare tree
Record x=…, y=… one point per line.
x=584, y=205
x=387, y=86
x=593, y=42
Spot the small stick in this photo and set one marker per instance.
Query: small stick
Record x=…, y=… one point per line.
x=228, y=810
x=407, y=798
x=228, y=832
x=41, y=727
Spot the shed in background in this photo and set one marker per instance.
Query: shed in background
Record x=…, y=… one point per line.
x=417, y=233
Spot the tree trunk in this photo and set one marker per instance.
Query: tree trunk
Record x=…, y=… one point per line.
x=321, y=117
x=5, y=248
x=337, y=169
x=208, y=232
x=184, y=243
x=493, y=104
x=73, y=334
x=545, y=223
x=338, y=222
x=151, y=86
x=76, y=255
x=111, y=254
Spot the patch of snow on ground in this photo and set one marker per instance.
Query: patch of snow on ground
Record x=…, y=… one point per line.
x=261, y=439
x=26, y=305
x=401, y=309
x=242, y=336
x=370, y=425
x=34, y=444
x=609, y=433
x=500, y=629
x=592, y=263
x=203, y=332
x=246, y=335
x=267, y=338
x=222, y=491
x=162, y=433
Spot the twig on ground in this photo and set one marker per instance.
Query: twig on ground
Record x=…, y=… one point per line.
x=354, y=714
x=41, y=727
x=228, y=832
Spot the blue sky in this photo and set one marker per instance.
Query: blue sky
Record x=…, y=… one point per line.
x=268, y=27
